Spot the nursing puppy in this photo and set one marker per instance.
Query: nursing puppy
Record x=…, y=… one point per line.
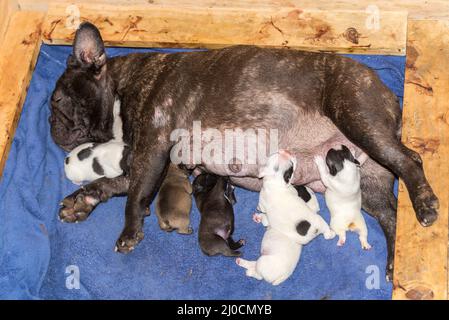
x=341, y=176
x=91, y=161
x=290, y=222
x=214, y=196
x=174, y=201
x=309, y=197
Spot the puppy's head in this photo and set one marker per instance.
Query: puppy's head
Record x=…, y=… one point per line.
x=335, y=159
x=280, y=165
x=83, y=99
x=212, y=186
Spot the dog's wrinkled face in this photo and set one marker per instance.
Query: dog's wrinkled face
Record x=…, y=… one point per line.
x=281, y=165
x=81, y=104
x=335, y=159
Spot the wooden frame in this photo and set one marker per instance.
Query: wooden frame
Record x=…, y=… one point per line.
x=421, y=253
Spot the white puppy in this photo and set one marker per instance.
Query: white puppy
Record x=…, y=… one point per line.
x=290, y=222
x=91, y=161
x=340, y=174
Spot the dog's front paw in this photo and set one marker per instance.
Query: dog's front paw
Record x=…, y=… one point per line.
x=77, y=207
x=128, y=240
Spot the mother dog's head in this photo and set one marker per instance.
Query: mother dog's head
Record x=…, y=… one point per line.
x=82, y=102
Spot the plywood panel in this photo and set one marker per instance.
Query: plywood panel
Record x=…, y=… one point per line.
x=18, y=56
x=418, y=9
x=177, y=26
x=422, y=253
x=7, y=7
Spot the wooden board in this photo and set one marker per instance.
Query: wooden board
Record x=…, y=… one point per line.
x=422, y=253
x=418, y=9
x=7, y=8
x=18, y=56
x=212, y=27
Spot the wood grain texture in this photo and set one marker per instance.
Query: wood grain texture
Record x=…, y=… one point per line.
x=7, y=8
x=422, y=253
x=417, y=9
x=17, y=59
x=213, y=27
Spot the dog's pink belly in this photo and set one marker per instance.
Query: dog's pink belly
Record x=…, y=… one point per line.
x=312, y=135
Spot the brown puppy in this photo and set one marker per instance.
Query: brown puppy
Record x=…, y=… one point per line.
x=174, y=201
x=214, y=196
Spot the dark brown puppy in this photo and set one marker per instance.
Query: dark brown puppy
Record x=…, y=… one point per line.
x=214, y=198
x=174, y=201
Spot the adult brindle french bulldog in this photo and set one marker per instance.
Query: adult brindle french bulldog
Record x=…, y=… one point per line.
x=315, y=100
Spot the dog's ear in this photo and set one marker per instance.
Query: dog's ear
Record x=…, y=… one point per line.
x=356, y=162
x=88, y=49
x=229, y=193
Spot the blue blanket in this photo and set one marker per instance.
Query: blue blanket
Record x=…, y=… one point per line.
x=37, y=252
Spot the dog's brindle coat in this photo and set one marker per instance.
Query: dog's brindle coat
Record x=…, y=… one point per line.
x=316, y=100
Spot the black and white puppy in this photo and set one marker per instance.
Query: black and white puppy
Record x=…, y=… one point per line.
x=290, y=222
x=91, y=161
x=214, y=196
x=340, y=174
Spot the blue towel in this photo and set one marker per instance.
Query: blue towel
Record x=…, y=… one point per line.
x=37, y=252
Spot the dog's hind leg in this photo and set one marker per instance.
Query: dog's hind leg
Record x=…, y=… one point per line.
x=368, y=114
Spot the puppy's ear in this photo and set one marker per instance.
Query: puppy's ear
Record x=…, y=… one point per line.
x=288, y=174
x=229, y=193
x=345, y=148
x=357, y=162
x=332, y=170
x=88, y=49
x=196, y=185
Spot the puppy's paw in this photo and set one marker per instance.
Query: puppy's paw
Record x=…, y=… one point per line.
x=77, y=207
x=366, y=246
x=128, y=241
x=329, y=235
x=341, y=242
x=319, y=161
x=257, y=218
